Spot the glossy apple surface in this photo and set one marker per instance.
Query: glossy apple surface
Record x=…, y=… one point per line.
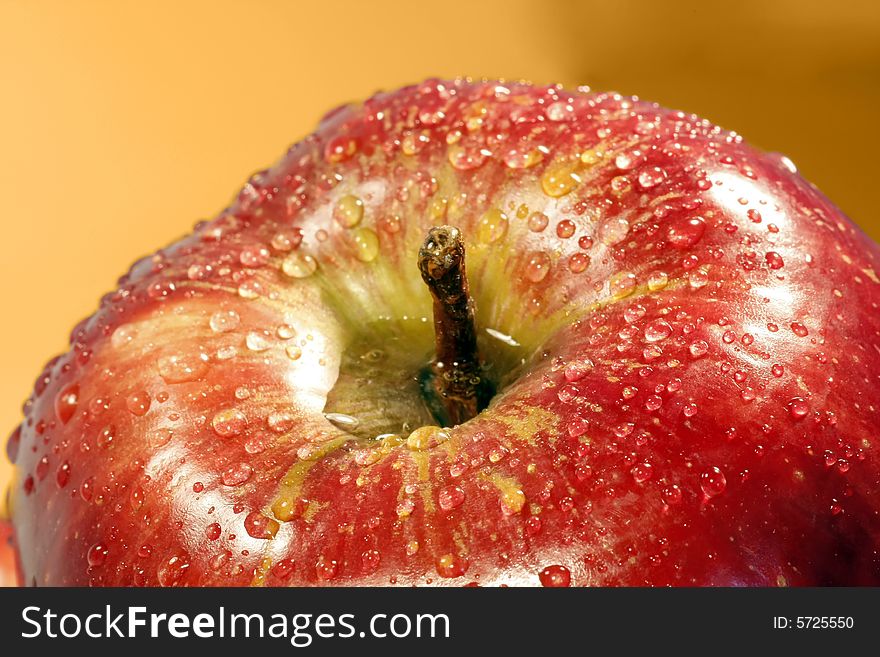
x=684, y=335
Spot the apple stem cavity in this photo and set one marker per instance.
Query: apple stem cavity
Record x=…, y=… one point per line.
x=455, y=387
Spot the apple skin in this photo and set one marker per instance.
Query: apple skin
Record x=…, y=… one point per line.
x=699, y=403
x=8, y=568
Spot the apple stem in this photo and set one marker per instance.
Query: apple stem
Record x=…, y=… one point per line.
x=457, y=380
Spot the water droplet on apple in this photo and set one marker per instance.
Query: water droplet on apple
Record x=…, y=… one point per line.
x=555, y=577
x=413, y=143
x=426, y=437
x=657, y=330
x=251, y=289
x=592, y=156
x=405, y=507
x=285, y=241
x=326, y=569
x=537, y=222
x=624, y=429
x=87, y=489
x=634, y=313
x=256, y=443
x=642, y=472
x=223, y=321
x=13, y=444
x=621, y=285
x=349, y=211
x=560, y=178
x=565, y=229
x=236, y=474
x=172, y=570
x=698, y=279
x=537, y=267
x=577, y=427
x=698, y=349
x=136, y=498
x=577, y=369
x=42, y=468
x=198, y=272
x=123, y=336
x=257, y=341
x=578, y=262
x=259, y=526
x=66, y=402
x=624, y=161
x=450, y=497
x=774, y=260
x=160, y=437
x=713, y=482
x=560, y=111
x=466, y=158
x=451, y=565
x=161, y=290
x=106, y=436
x=62, y=474
x=533, y=525
x=229, y=422
x=285, y=332
x=799, y=329
x=138, y=403
x=370, y=560
x=97, y=555
x=613, y=231
x=299, y=265
x=366, y=244
x=651, y=177
x=522, y=157
x=798, y=408
x=787, y=163
x=339, y=148
x=568, y=393
x=492, y=226
x=686, y=233
x=671, y=495
x=183, y=367
x=283, y=569
x=219, y=560
x=254, y=256
x=657, y=281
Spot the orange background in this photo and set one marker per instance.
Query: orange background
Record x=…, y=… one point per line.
x=121, y=123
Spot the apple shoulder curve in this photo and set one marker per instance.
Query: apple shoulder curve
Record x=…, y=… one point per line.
x=681, y=334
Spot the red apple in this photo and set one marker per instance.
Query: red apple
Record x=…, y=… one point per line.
x=683, y=336
x=8, y=574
